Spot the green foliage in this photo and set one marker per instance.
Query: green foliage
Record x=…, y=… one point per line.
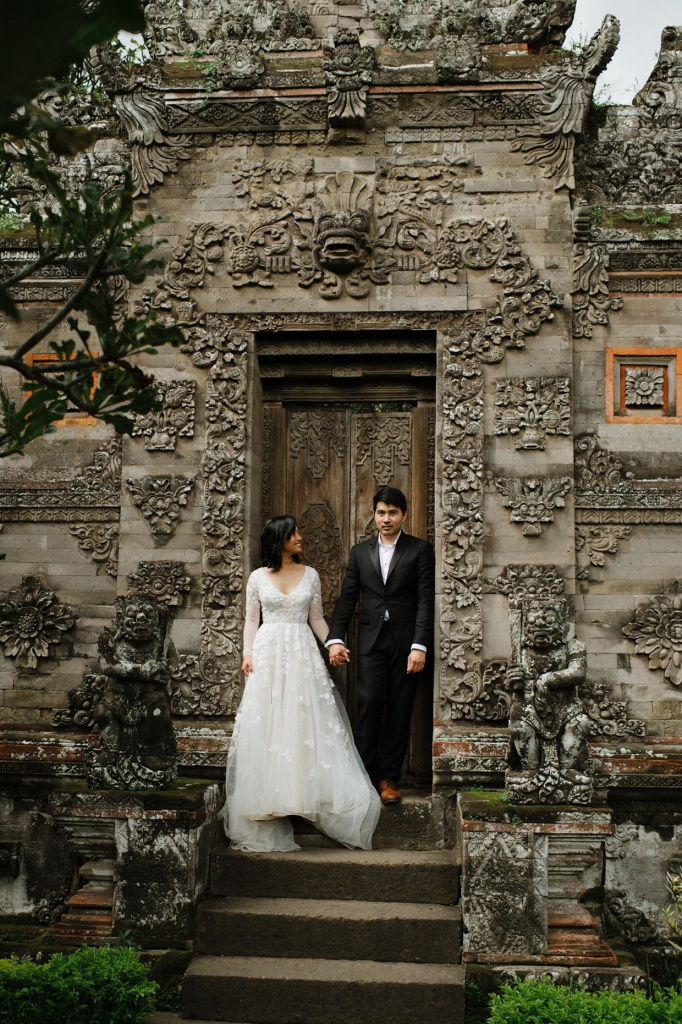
x=673, y=914
x=541, y=1002
x=91, y=986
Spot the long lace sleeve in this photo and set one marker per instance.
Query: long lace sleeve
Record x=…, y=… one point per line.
x=316, y=618
x=252, y=619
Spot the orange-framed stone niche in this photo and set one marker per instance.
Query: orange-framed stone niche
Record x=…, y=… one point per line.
x=643, y=385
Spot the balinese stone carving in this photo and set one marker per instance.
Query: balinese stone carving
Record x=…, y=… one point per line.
x=596, y=469
x=159, y=499
x=100, y=542
x=531, y=408
x=80, y=710
x=223, y=518
x=549, y=726
x=423, y=24
x=644, y=386
x=133, y=714
x=533, y=500
x=174, y=419
x=318, y=434
x=195, y=687
x=591, y=299
x=387, y=441
x=657, y=632
x=608, y=717
x=348, y=68
x=623, y=918
x=594, y=543
x=33, y=622
x=568, y=89
x=214, y=28
x=479, y=697
x=166, y=582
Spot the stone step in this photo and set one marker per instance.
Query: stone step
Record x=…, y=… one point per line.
x=333, y=929
x=392, y=876
x=281, y=991
x=410, y=825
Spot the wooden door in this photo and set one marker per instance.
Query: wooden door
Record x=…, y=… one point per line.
x=325, y=463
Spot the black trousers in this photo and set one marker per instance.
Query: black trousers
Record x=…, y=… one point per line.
x=383, y=684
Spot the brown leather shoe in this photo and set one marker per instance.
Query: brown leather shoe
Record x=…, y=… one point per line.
x=389, y=793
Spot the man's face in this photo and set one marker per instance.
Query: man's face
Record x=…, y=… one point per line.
x=389, y=520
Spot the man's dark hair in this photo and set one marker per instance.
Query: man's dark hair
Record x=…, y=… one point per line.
x=390, y=496
x=277, y=532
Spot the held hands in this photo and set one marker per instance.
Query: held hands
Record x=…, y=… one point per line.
x=247, y=665
x=338, y=654
x=416, y=661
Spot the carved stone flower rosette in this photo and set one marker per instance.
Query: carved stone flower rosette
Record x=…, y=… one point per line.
x=657, y=633
x=33, y=622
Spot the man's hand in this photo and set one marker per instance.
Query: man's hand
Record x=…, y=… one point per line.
x=338, y=654
x=416, y=661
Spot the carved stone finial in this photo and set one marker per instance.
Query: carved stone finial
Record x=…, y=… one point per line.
x=549, y=726
x=348, y=69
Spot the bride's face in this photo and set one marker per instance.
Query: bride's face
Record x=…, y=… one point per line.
x=294, y=544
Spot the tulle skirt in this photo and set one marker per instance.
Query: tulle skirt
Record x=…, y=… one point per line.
x=292, y=751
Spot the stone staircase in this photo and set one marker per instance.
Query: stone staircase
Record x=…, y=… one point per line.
x=331, y=936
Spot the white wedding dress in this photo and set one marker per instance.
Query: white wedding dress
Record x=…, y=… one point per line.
x=292, y=751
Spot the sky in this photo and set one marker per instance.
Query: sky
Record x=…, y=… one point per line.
x=641, y=24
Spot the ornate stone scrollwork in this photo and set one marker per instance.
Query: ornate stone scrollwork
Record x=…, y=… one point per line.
x=195, y=687
x=597, y=469
x=159, y=499
x=568, y=89
x=81, y=703
x=348, y=68
x=165, y=581
x=608, y=717
x=223, y=519
x=594, y=543
x=34, y=623
x=591, y=299
x=530, y=408
x=318, y=433
x=533, y=500
x=657, y=632
x=174, y=419
x=479, y=697
x=549, y=726
x=100, y=542
x=133, y=713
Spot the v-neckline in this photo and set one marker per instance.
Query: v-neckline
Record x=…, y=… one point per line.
x=268, y=577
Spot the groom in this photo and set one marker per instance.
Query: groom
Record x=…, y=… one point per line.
x=395, y=574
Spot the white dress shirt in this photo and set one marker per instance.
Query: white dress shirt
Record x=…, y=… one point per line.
x=386, y=552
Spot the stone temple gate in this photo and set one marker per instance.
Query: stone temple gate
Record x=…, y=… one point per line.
x=404, y=246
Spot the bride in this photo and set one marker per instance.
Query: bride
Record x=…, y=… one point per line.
x=292, y=751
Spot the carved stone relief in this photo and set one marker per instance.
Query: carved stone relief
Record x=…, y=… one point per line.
x=100, y=543
x=568, y=89
x=531, y=408
x=195, y=687
x=657, y=632
x=165, y=581
x=386, y=440
x=159, y=499
x=175, y=418
x=348, y=68
x=533, y=500
x=592, y=301
x=81, y=703
x=317, y=434
x=549, y=726
x=322, y=540
x=34, y=623
x=594, y=543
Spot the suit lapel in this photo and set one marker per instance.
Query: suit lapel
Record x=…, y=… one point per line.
x=403, y=541
x=374, y=556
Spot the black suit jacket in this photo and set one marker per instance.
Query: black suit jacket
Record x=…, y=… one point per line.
x=408, y=594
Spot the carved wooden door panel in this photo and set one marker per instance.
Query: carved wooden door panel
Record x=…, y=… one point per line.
x=323, y=464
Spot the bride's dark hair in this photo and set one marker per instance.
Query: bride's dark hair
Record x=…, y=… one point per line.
x=277, y=532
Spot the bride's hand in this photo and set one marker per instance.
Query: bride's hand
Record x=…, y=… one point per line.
x=247, y=665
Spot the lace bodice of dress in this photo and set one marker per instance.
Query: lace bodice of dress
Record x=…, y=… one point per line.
x=302, y=605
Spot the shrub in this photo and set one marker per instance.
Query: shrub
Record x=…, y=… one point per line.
x=541, y=1002
x=90, y=986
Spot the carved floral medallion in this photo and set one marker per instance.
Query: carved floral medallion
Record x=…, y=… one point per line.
x=34, y=622
x=657, y=632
